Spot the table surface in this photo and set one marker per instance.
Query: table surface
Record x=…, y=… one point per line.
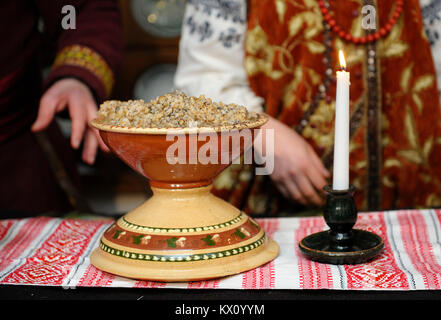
x=41, y=257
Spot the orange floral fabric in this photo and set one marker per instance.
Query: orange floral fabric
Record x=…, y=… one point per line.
x=284, y=61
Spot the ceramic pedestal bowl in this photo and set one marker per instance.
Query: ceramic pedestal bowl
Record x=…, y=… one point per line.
x=183, y=232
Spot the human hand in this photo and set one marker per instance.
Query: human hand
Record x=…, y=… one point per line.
x=298, y=171
x=76, y=96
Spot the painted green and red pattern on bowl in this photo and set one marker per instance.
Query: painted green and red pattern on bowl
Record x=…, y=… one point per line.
x=186, y=241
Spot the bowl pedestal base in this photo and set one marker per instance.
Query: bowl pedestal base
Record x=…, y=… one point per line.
x=183, y=235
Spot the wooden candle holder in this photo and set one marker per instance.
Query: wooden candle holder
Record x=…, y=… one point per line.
x=341, y=244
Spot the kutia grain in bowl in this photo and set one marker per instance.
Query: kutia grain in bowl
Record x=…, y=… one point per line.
x=174, y=110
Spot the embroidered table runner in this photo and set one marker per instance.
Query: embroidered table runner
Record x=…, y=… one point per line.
x=55, y=252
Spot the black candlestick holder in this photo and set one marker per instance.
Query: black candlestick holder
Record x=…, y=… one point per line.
x=341, y=244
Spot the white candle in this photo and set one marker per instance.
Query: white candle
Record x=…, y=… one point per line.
x=341, y=134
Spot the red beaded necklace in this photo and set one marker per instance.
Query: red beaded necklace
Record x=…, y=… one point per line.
x=365, y=39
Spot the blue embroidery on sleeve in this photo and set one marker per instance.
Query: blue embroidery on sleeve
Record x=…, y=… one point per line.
x=226, y=9
x=203, y=30
x=229, y=37
x=432, y=15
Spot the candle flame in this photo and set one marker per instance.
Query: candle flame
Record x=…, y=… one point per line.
x=342, y=59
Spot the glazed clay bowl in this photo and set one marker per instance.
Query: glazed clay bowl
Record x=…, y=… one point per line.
x=183, y=232
x=145, y=151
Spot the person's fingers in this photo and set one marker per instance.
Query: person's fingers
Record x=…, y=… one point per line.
x=90, y=147
x=101, y=143
x=307, y=190
x=78, y=119
x=318, y=163
x=49, y=106
x=316, y=178
x=294, y=191
x=92, y=114
x=283, y=190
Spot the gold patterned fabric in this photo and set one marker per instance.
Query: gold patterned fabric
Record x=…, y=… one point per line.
x=395, y=146
x=84, y=57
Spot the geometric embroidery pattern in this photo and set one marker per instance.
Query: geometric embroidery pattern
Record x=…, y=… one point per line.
x=50, y=251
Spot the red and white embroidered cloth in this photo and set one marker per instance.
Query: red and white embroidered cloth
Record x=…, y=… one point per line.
x=55, y=252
